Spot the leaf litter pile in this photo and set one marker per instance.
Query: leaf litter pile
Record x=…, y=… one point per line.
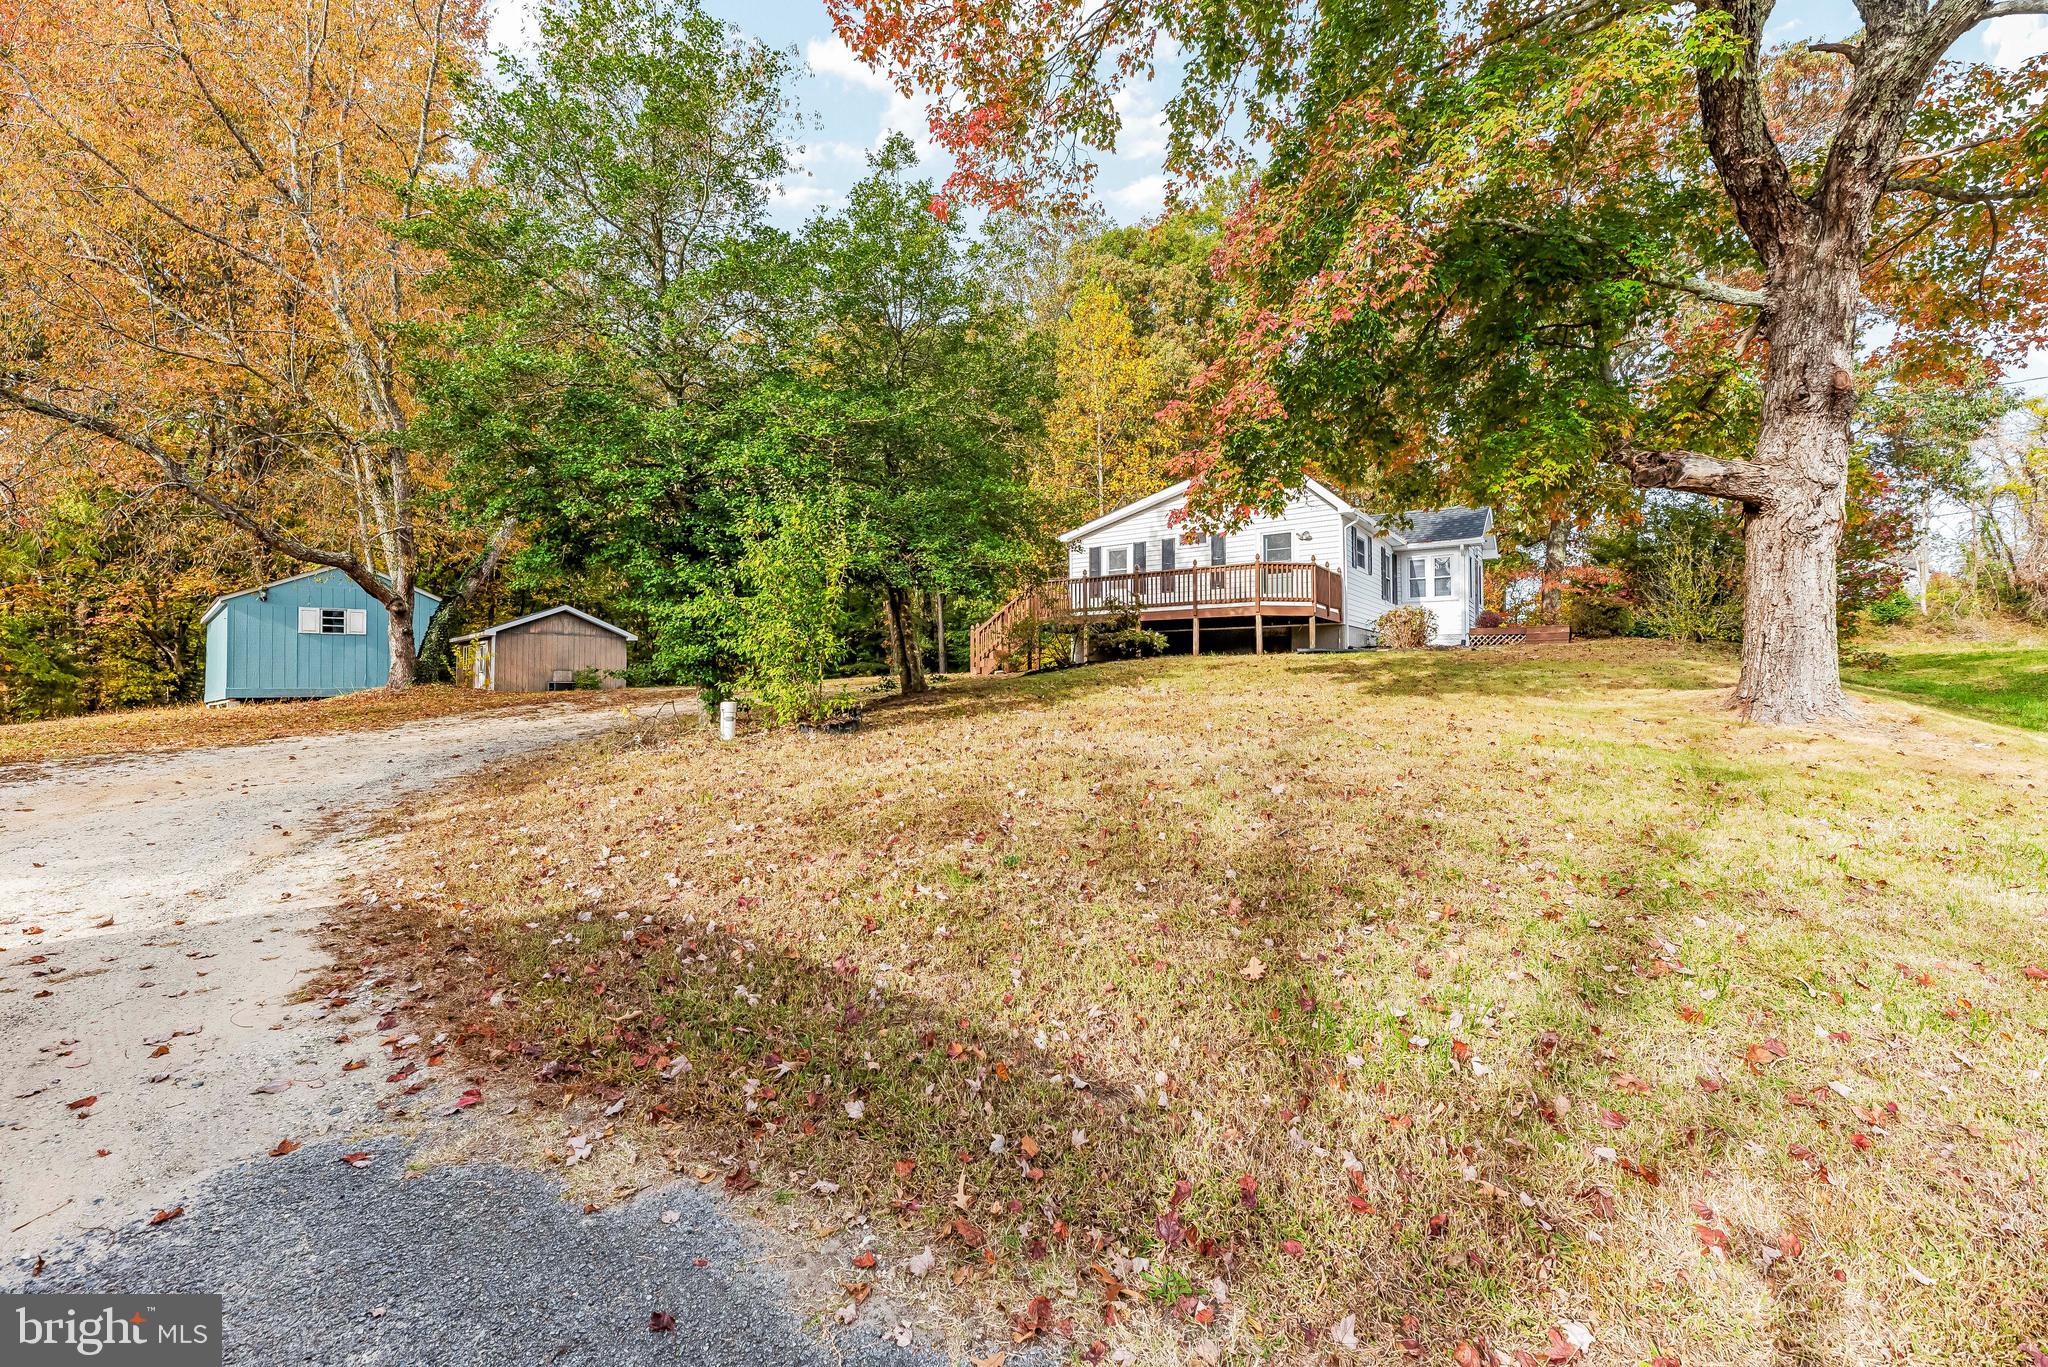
x=1507, y=1009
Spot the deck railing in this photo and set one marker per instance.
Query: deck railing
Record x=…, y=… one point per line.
x=1254, y=587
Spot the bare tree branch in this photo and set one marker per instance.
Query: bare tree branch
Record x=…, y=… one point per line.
x=264, y=532
x=1959, y=194
x=1741, y=481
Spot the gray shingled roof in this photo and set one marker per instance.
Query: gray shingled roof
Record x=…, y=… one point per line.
x=1423, y=526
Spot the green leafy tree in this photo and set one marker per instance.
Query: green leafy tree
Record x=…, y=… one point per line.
x=793, y=574
x=916, y=397
x=616, y=301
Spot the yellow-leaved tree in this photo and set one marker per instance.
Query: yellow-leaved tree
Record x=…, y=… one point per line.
x=1104, y=444
x=202, y=268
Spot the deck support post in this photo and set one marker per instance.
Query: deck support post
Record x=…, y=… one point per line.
x=1311, y=631
x=1258, y=633
x=1196, y=626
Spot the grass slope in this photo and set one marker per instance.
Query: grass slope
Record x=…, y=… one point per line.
x=2001, y=681
x=1361, y=1005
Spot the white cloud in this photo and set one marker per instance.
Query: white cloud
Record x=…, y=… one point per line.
x=1141, y=198
x=1143, y=136
x=832, y=57
x=2014, y=39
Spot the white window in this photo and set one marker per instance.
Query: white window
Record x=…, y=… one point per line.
x=1386, y=574
x=1279, y=546
x=1443, y=575
x=1361, y=551
x=1418, y=577
x=333, y=621
x=1117, y=560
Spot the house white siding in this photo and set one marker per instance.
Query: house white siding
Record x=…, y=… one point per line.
x=1316, y=530
x=1454, y=610
x=1320, y=527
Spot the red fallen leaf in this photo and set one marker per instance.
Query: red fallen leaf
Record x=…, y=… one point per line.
x=350, y=1067
x=1711, y=1239
x=864, y=1260
x=1360, y=1204
x=2039, y=975
x=1859, y=1141
x=1703, y=1210
x=661, y=1322
x=741, y=1180
x=968, y=1234
x=904, y=1167
x=468, y=1098
x=1468, y=1354
x=1561, y=1349
x=81, y=1103
x=1204, y=1314
x=1169, y=1229
x=1613, y=1120
x=1292, y=1247
x=1629, y=1082
x=1601, y=1200
x=356, y=1160
x=2035, y=1357
x=1798, y=1151
x=1248, y=1189
x=403, y=1073
x=1790, y=1244
x=1438, y=1224
x=1182, y=1189
x=284, y=1146
x=160, y=1051
x=1036, y=1320
x=1460, y=1050
x=1708, y=1084
x=163, y=1215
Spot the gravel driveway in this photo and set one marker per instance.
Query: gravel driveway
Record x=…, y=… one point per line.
x=156, y=916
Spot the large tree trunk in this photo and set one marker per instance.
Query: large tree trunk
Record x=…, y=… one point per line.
x=901, y=628
x=1791, y=665
x=404, y=660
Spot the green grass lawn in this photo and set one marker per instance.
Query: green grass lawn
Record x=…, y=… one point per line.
x=1293, y=1009
x=2003, y=681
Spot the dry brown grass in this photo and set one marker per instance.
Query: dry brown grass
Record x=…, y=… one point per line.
x=191, y=727
x=1525, y=988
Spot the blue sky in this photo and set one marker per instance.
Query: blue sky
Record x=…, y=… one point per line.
x=853, y=108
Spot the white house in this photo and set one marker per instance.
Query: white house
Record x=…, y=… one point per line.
x=1321, y=571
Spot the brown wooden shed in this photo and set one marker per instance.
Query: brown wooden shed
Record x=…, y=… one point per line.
x=544, y=650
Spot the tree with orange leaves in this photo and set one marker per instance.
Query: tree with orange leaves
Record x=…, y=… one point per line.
x=1643, y=198
x=199, y=265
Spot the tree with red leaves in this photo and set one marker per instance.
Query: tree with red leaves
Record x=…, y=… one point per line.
x=1631, y=219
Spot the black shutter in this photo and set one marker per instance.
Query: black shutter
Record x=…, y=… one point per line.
x=1095, y=562
x=1138, y=557
x=1165, y=552
x=1219, y=551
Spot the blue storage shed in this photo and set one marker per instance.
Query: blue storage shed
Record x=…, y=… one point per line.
x=313, y=635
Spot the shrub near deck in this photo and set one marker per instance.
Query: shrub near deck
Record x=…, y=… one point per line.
x=1463, y=995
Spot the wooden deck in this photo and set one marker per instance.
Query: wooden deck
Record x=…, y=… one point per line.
x=1257, y=589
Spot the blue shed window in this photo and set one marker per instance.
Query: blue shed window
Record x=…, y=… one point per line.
x=333, y=621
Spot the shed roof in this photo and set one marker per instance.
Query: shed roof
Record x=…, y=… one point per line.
x=549, y=612
x=213, y=608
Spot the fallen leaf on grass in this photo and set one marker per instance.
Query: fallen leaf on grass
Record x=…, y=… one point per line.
x=1253, y=970
x=922, y=1263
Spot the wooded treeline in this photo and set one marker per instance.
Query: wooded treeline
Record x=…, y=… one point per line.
x=288, y=286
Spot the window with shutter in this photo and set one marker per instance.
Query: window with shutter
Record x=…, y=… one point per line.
x=333, y=621
x=1386, y=574
x=1219, y=550
x=309, y=621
